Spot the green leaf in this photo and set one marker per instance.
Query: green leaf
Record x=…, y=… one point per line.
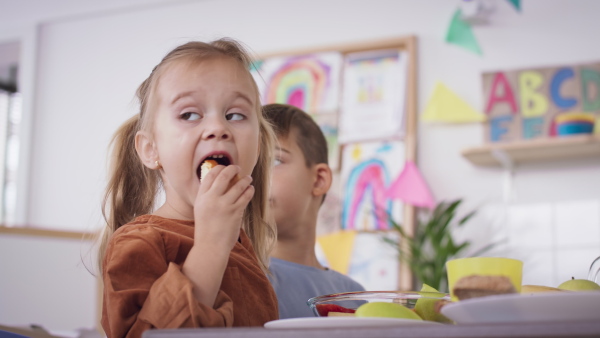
x=467, y=217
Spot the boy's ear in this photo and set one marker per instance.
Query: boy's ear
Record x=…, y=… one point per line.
x=323, y=178
x=146, y=150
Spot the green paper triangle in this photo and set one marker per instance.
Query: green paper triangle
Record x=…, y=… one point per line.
x=461, y=34
x=516, y=3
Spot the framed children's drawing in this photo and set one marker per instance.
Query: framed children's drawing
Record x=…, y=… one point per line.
x=364, y=98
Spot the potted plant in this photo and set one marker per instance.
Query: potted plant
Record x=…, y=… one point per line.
x=432, y=244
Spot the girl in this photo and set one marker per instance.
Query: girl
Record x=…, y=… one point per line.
x=199, y=260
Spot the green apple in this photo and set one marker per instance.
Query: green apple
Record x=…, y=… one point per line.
x=425, y=307
x=387, y=310
x=579, y=285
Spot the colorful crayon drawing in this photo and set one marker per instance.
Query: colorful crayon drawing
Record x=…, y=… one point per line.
x=367, y=261
x=368, y=170
x=309, y=82
x=373, y=96
x=368, y=179
x=373, y=264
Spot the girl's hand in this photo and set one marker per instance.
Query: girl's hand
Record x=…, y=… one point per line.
x=219, y=207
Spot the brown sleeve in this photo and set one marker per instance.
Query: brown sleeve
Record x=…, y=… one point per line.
x=143, y=291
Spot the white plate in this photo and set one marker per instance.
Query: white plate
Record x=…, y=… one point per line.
x=323, y=322
x=539, y=307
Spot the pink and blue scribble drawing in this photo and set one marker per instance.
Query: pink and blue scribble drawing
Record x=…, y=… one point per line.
x=368, y=178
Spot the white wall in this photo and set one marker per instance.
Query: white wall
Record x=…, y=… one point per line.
x=45, y=281
x=88, y=68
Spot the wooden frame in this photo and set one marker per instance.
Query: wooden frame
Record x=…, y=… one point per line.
x=407, y=44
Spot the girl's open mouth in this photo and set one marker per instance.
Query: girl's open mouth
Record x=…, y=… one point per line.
x=221, y=159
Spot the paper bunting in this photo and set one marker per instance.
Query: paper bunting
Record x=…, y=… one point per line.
x=411, y=188
x=445, y=106
x=461, y=34
x=337, y=248
x=516, y=4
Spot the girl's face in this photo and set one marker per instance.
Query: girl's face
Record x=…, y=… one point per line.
x=202, y=110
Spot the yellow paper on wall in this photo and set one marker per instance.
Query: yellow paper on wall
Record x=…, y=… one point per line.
x=337, y=248
x=445, y=106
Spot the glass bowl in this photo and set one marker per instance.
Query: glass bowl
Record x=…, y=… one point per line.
x=348, y=302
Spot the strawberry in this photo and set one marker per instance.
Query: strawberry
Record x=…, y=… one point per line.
x=324, y=309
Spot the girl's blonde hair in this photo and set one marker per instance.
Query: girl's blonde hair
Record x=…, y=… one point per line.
x=132, y=187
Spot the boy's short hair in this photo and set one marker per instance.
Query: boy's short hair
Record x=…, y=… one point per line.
x=310, y=138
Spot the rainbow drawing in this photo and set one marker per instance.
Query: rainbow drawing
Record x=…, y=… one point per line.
x=300, y=83
x=309, y=82
x=367, y=171
x=368, y=178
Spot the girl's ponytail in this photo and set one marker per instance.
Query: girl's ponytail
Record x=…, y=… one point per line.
x=131, y=188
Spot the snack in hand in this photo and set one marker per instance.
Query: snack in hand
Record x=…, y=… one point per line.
x=206, y=167
x=480, y=286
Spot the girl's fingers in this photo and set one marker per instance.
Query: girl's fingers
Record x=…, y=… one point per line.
x=245, y=197
x=223, y=179
x=225, y=193
x=237, y=188
x=219, y=215
x=207, y=182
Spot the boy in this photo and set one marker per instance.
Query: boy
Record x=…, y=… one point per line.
x=300, y=179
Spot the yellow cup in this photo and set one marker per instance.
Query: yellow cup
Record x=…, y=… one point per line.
x=485, y=266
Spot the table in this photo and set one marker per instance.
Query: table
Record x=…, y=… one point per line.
x=553, y=329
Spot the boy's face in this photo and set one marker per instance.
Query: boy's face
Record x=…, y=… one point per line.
x=291, y=185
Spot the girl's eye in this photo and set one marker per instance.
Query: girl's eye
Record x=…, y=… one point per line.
x=234, y=117
x=276, y=162
x=190, y=116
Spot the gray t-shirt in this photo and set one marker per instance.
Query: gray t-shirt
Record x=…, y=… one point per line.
x=294, y=284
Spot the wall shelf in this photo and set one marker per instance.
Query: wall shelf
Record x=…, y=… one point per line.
x=559, y=148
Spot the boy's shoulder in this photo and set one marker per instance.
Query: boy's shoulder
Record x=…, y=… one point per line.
x=293, y=273
x=350, y=283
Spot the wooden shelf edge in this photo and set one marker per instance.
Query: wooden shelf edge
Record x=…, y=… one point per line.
x=37, y=232
x=366, y=45
x=535, y=150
